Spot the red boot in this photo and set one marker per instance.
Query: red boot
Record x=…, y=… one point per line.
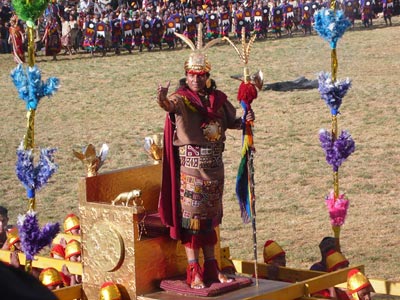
x=194, y=276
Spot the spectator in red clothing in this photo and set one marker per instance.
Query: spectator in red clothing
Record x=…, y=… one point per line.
x=275, y=257
x=334, y=261
x=72, y=253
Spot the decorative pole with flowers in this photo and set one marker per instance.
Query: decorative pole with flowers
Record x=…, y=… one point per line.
x=331, y=24
x=31, y=89
x=245, y=179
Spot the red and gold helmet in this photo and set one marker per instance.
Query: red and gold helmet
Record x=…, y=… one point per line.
x=197, y=63
x=356, y=281
x=12, y=238
x=71, y=222
x=272, y=250
x=335, y=260
x=50, y=277
x=109, y=291
x=73, y=248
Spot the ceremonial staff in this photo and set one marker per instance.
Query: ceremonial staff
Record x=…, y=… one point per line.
x=31, y=89
x=245, y=179
x=331, y=24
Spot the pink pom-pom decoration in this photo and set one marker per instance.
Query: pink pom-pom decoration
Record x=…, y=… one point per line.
x=337, y=208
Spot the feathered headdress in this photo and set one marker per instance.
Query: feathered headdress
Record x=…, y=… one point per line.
x=197, y=61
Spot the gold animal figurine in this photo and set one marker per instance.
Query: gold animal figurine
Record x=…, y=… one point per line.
x=124, y=198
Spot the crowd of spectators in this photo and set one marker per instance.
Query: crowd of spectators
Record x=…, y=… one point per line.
x=105, y=25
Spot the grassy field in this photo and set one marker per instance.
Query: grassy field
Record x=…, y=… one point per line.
x=112, y=100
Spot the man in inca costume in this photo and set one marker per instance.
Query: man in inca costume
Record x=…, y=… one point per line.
x=193, y=171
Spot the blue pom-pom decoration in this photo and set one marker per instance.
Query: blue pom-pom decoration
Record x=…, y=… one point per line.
x=331, y=25
x=30, y=87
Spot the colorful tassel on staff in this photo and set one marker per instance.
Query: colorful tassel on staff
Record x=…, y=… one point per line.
x=246, y=94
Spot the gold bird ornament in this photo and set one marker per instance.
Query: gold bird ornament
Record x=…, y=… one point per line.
x=91, y=160
x=153, y=145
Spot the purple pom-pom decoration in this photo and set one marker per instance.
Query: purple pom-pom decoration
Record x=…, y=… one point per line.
x=24, y=167
x=33, y=240
x=332, y=92
x=337, y=151
x=35, y=177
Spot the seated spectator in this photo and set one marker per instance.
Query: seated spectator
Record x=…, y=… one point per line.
x=327, y=244
x=359, y=286
x=334, y=261
x=275, y=257
x=274, y=254
x=72, y=253
x=72, y=225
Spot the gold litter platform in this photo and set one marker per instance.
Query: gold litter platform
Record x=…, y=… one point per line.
x=115, y=246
